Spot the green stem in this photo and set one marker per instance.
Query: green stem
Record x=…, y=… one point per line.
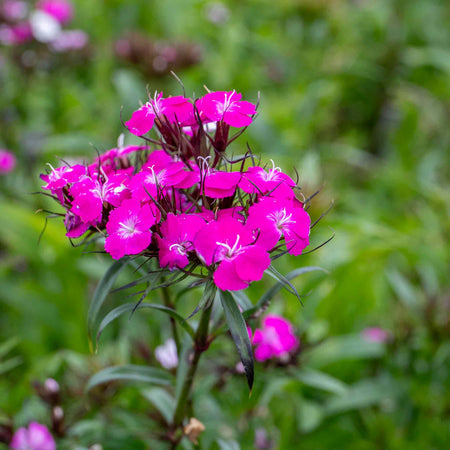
x=168, y=302
x=200, y=345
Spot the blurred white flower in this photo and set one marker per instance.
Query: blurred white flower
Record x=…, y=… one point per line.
x=45, y=28
x=167, y=355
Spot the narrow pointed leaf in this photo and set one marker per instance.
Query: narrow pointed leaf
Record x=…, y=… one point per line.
x=283, y=280
x=130, y=373
x=206, y=299
x=267, y=297
x=148, y=278
x=100, y=294
x=238, y=330
x=129, y=307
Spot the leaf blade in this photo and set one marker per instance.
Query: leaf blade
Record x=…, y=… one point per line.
x=131, y=373
x=239, y=333
x=100, y=294
x=129, y=307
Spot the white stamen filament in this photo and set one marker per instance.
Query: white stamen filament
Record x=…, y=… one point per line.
x=230, y=250
x=179, y=248
x=281, y=218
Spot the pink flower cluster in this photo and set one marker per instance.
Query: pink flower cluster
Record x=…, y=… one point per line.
x=35, y=437
x=183, y=202
x=275, y=339
x=20, y=24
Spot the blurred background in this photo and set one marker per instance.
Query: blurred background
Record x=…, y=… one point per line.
x=355, y=96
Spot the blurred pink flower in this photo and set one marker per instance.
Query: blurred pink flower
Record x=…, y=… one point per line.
x=374, y=334
x=70, y=40
x=14, y=9
x=275, y=339
x=35, y=437
x=7, y=161
x=16, y=34
x=61, y=10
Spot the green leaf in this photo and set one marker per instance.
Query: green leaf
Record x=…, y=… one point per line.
x=320, y=380
x=285, y=283
x=242, y=300
x=228, y=445
x=162, y=401
x=238, y=330
x=183, y=365
x=9, y=364
x=131, y=373
x=207, y=298
x=100, y=294
x=340, y=348
x=267, y=297
x=363, y=394
x=309, y=415
x=8, y=345
x=148, y=278
x=128, y=307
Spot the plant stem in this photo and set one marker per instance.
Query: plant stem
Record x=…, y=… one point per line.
x=168, y=302
x=200, y=345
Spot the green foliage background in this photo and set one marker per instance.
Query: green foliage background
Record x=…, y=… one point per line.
x=355, y=95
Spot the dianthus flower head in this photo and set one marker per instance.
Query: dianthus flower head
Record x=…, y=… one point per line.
x=273, y=219
x=275, y=339
x=227, y=107
x=128, y=229
x=35, y=437
x=257, y=180
x=176, y=241
x=230, y=245
x=174, y=109
x=90, y=195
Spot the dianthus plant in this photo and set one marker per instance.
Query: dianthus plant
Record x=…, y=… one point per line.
x=180, y=208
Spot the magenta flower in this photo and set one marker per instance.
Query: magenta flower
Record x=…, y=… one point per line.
x=35, y=437
x=90, y=195
x=142, y=120
x=228, y=243
x=275, y=339
x=75, y=226
x=7, y=162
x=259, y=181
x=167, y=355
x=61, y=10
x=174, y=109
x=227, y=106
x=219, y=184
x=272, y=219
x=374, y=334
x=178, y=232
x=160, y=172
x=128, y=229
x=60, y=177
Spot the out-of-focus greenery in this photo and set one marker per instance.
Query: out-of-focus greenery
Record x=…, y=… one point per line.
x=355, y=95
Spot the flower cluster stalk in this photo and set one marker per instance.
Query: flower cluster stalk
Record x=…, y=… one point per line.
x=200, y=345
